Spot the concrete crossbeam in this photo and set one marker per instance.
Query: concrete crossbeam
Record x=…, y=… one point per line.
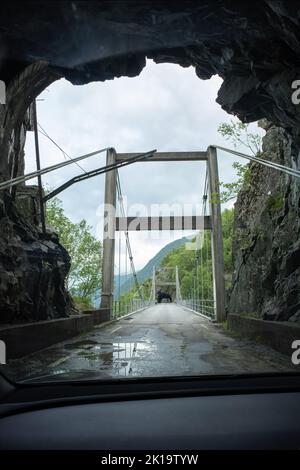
x=163, y=223
x=166, y=156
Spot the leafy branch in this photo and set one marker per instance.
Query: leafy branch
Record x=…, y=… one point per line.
x=84, y=278
x=239, y=135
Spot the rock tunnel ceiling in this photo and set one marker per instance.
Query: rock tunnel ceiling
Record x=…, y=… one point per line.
x=254, y=47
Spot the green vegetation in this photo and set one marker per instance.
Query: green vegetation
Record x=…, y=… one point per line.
x=275, y=203
x=85, y=250
x=195, y=266
x=132, y=294
x=250, y=315
x=83, y=303
x=147, y=270
x=239, y=135
x=225, y=325
x=231, y=190
x=227, y=227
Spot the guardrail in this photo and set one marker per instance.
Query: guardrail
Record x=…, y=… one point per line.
x=122, y=308
x=204, y=306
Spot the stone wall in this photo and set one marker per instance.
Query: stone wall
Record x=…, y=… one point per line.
x=28, y=203
x=28, y=338
x=266, y=246
x=278, y=335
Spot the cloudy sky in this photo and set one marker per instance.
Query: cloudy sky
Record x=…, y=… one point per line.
x=167, y=108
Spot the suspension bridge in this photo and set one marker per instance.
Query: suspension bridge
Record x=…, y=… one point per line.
x=153, y=334
x=209, y=301
x=206, y=296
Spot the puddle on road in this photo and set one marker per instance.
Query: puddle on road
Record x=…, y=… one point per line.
x=114, y=356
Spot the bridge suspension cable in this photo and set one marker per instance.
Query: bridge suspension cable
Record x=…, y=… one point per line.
x=127, y=240
x=98, y=171
x=268, y=163
x=21, y=179
x=65, y=154
x=201, y=298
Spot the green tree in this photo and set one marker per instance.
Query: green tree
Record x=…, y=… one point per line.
x=239, y=135
x=196, y=266
x=85, y=250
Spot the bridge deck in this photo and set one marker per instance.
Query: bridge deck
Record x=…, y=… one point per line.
x=165, y=339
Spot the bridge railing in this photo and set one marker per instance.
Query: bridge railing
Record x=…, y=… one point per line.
x=204, y=306
x=121, y=307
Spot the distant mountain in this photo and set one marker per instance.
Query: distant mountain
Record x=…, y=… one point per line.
x=146, y=272
x=124, y=278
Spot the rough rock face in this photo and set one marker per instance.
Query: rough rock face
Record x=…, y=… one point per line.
x=254, y=46
x=33, y=268
x=266, y=246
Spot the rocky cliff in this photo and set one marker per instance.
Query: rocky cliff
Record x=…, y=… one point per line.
x=266, y=247
x=33, y=267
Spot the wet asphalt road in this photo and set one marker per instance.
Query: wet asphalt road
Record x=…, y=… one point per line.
x=164, y=340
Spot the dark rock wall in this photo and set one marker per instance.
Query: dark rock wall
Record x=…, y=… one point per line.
x=33, y=267
x=266, y=248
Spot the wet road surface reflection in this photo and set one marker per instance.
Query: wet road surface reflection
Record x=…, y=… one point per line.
x=164, y=340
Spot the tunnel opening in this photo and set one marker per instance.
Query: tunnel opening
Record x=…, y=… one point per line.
x=165, y=95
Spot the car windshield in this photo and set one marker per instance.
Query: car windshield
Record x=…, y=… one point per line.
x=149, y=197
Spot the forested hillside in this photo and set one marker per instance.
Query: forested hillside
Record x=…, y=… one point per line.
x=146, y=272
x=195, y=265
